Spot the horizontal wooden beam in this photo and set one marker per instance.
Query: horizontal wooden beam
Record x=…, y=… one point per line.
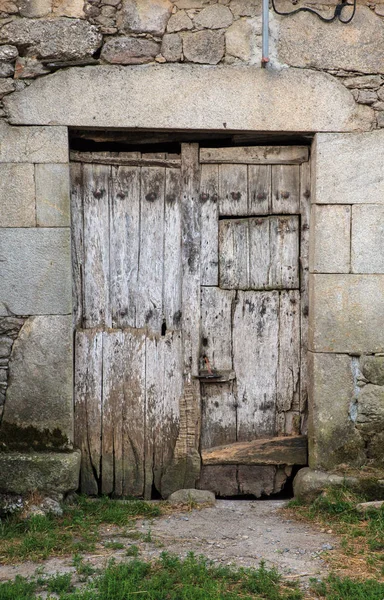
x=256, y=155
x=273, y=451
x=101, y=159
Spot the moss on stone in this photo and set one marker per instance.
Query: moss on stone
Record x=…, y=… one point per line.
x=15, y=437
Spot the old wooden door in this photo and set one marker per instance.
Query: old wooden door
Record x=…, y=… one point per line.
x=190, y=315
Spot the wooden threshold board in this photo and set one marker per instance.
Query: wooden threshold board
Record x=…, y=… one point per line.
x=292, y=450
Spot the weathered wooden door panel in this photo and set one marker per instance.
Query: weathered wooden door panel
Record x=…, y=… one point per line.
x=190, y=295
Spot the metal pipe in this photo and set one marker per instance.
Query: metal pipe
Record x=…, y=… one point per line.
x=265, y=34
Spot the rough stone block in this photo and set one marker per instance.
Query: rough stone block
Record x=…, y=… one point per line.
x=33, y=144
x=346, y=313
x=7, y=86
x=330, y=246
x=215, y=16
x=240, y=39
x=36, y=271
x=368, y=239
x=69, y=8
x=171, y=47
x=29, y=68
x=35, y=8
x=144, y=16
x=338, y=47
x=179, y=22
x=310, y=483
x=38, y=412
x=6, y=69
x=222, y=99
x=348, y=169
x=372, y=367
x=52, y=195
x=192, y=496
x=206, y=47
x=17, y=195
x=332, y=437
x=245, y=8
x=59, y=39
x=22, y=473
x=8, y=52
x=129, y=50
x=370, y=409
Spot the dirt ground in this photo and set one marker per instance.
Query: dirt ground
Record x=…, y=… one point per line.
x=233, y=532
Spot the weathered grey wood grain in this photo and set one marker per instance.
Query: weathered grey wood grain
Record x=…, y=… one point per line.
x=149, y=307
x=255, y=360
x=172, y=250
x=132, y=159
x=218, y=418
x=233, y=190
x=88, y=406
x=209, y=199
x=216, y=327
x=124, y=244
x=284, y=251
x=288, y=375
x=286, y=189
x=96, y=246
x=134, y=412
x=261, y=257
x=290, y=450
x=234, y=254
x=255, y=155
x=77, y=241
x=113, y=406
x=305, y=187
x=259, y=189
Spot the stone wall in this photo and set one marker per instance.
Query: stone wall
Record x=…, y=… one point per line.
x=346, y=338
x=41, y=36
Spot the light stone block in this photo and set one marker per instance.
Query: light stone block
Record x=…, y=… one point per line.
x=52, y=195
x=35, y=271
x=194, y=97
x=348, y=169
x=368, y=239
x=346, y=313
x=33, y=144
x=332, y=436
x=330, y=239
x=39, y=395
x=17, y=195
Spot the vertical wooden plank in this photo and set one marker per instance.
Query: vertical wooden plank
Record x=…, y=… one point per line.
x=259, y=189
x=305, y=206
x=218, y=419
x=234, y=254
x=255, y=359
x=288, y=376
x=96, y=246
x=154, y=402
x=124, y=244
x=77, y=240
x=285, y=243
x=209, y=197
x=88, y=407
x=285, y=189
x=259, y=253
x=113, y=405
x=216, y=335
x=133, y=417
x=191, y=255
x=172, y=250
x=233, y=190
x=149, y=310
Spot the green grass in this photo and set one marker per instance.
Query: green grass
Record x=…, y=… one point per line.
x=76, y=531
x=344, y=588
x=170, y=578
x=362, y=534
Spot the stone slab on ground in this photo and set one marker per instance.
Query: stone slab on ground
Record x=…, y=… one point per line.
x=191, y=496
x=22, y=473
x=36, y=271
x=366, y=506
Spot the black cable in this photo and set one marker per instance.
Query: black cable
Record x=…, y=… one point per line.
x=337, y=14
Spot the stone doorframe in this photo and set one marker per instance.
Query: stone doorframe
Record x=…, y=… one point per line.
x=346, y=255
